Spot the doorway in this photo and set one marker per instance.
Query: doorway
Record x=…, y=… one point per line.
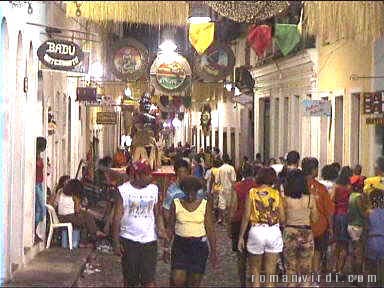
x=339, y=130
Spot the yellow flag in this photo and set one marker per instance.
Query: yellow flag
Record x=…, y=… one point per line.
x=201, y=35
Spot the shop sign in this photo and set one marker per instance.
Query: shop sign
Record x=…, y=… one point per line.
x=215, y=64
x=317, y=108
x=86, y=94
x=106, y=118
x=373, y=102
x=129, y=59
x=170, y=72
x=375, y=121
x=60, y=54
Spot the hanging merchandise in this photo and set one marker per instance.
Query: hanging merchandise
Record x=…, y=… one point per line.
x=287, y=36
x=260, y=38
x=180, y=116
x=129, y=59
x=201, y=35
x=215, y=64
x=205, y=119
x=170, y=73
x=187, y=102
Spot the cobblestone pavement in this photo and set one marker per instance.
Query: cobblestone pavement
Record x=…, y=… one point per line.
x=110, y=274
x=225, y=275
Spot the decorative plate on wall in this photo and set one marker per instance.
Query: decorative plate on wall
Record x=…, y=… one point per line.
x=129, y=59
x=215, y=64
x=170, y=73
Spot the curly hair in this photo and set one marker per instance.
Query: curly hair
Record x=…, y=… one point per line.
x=266, y=176
x=190, y=183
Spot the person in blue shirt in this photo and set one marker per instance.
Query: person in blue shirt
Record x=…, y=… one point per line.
x=182, y=169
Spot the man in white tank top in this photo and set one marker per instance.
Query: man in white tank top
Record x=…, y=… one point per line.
x=136, y=226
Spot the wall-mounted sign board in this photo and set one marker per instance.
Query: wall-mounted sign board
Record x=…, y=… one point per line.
x=375, y=121
x=58, y=54
x=86, y=94
x=373, y=102
x=106, y=118
x=317, y=108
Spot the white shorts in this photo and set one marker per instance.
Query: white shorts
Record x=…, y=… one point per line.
x=263, y=238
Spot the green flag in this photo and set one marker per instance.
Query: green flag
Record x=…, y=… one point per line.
x=287, y=36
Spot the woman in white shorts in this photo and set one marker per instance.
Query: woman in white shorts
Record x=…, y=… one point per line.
x=264, y=211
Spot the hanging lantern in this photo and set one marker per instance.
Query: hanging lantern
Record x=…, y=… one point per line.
x=180, y=116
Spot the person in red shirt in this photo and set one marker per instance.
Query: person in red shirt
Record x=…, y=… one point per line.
x=343, y=189
x=41, y=145
x=237, y=207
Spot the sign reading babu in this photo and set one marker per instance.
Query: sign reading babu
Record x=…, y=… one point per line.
x=60, y=54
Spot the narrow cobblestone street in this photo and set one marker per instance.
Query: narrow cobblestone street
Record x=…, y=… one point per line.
x=110, y=270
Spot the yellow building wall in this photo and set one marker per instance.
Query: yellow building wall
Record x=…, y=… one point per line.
x=337, y=62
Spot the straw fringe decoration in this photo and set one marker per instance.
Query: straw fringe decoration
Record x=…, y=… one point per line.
x=335, y=20
x=146, y=12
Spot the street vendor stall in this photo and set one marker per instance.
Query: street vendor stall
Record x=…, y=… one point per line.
x=163, y=177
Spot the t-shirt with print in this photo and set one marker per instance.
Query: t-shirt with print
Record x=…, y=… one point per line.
x=227, y=175
x=174, y=192
x=138, y=222
x=265, y=203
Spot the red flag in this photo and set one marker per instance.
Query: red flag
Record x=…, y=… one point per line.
x=260, y=38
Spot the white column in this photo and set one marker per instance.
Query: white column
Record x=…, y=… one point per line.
x=237, y=146
x=220, y=124
x=229, y=150
x=273, y=127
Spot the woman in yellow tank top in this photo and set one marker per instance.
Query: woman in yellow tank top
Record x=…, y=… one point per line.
x=264, y=212
x=191, y=224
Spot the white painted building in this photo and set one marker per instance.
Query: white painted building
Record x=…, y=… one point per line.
x=24, y=117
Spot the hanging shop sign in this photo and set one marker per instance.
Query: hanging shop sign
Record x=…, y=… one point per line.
x=215, y=64
x=317, y=108
x=106, y=118
x=86, y=94
x=170, y=73
x=129, y=59
x=58, y=54
x=373, y=102
x=375, y=121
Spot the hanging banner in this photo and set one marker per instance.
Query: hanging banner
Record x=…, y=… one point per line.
x=215, y=64
x=106, y=118
x=129, y=59
x=58, y=54
x=317, y=108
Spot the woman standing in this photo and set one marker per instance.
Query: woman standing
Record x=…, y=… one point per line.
x=300, y=212
x=264, y=211
x=340, y=220
x=41, y=145
x=190, y=225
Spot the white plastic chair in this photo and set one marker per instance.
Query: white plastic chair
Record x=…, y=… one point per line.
x=55, y=223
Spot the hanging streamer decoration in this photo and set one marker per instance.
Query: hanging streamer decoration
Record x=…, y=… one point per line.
x=287, y=36
x=260, y=38
x=248, y=11
x=201, y=35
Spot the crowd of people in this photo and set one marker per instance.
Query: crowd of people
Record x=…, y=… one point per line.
x=292, y=222
x=282, y=216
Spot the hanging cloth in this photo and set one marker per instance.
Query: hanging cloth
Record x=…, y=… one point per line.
x=260, y=38
x=201, y=35
x=287, y=36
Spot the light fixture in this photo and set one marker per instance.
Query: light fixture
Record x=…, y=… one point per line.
x=199, y=20
x=176, y=122
x=96, y=70
x=168, y=46
x=200, y=13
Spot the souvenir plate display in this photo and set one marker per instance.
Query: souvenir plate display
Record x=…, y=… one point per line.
x=215, y=64
x=170, y=73
x=129, y=59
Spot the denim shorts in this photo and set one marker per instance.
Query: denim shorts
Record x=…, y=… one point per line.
x=374, y=249
x=189, y=254
x=340, y=227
